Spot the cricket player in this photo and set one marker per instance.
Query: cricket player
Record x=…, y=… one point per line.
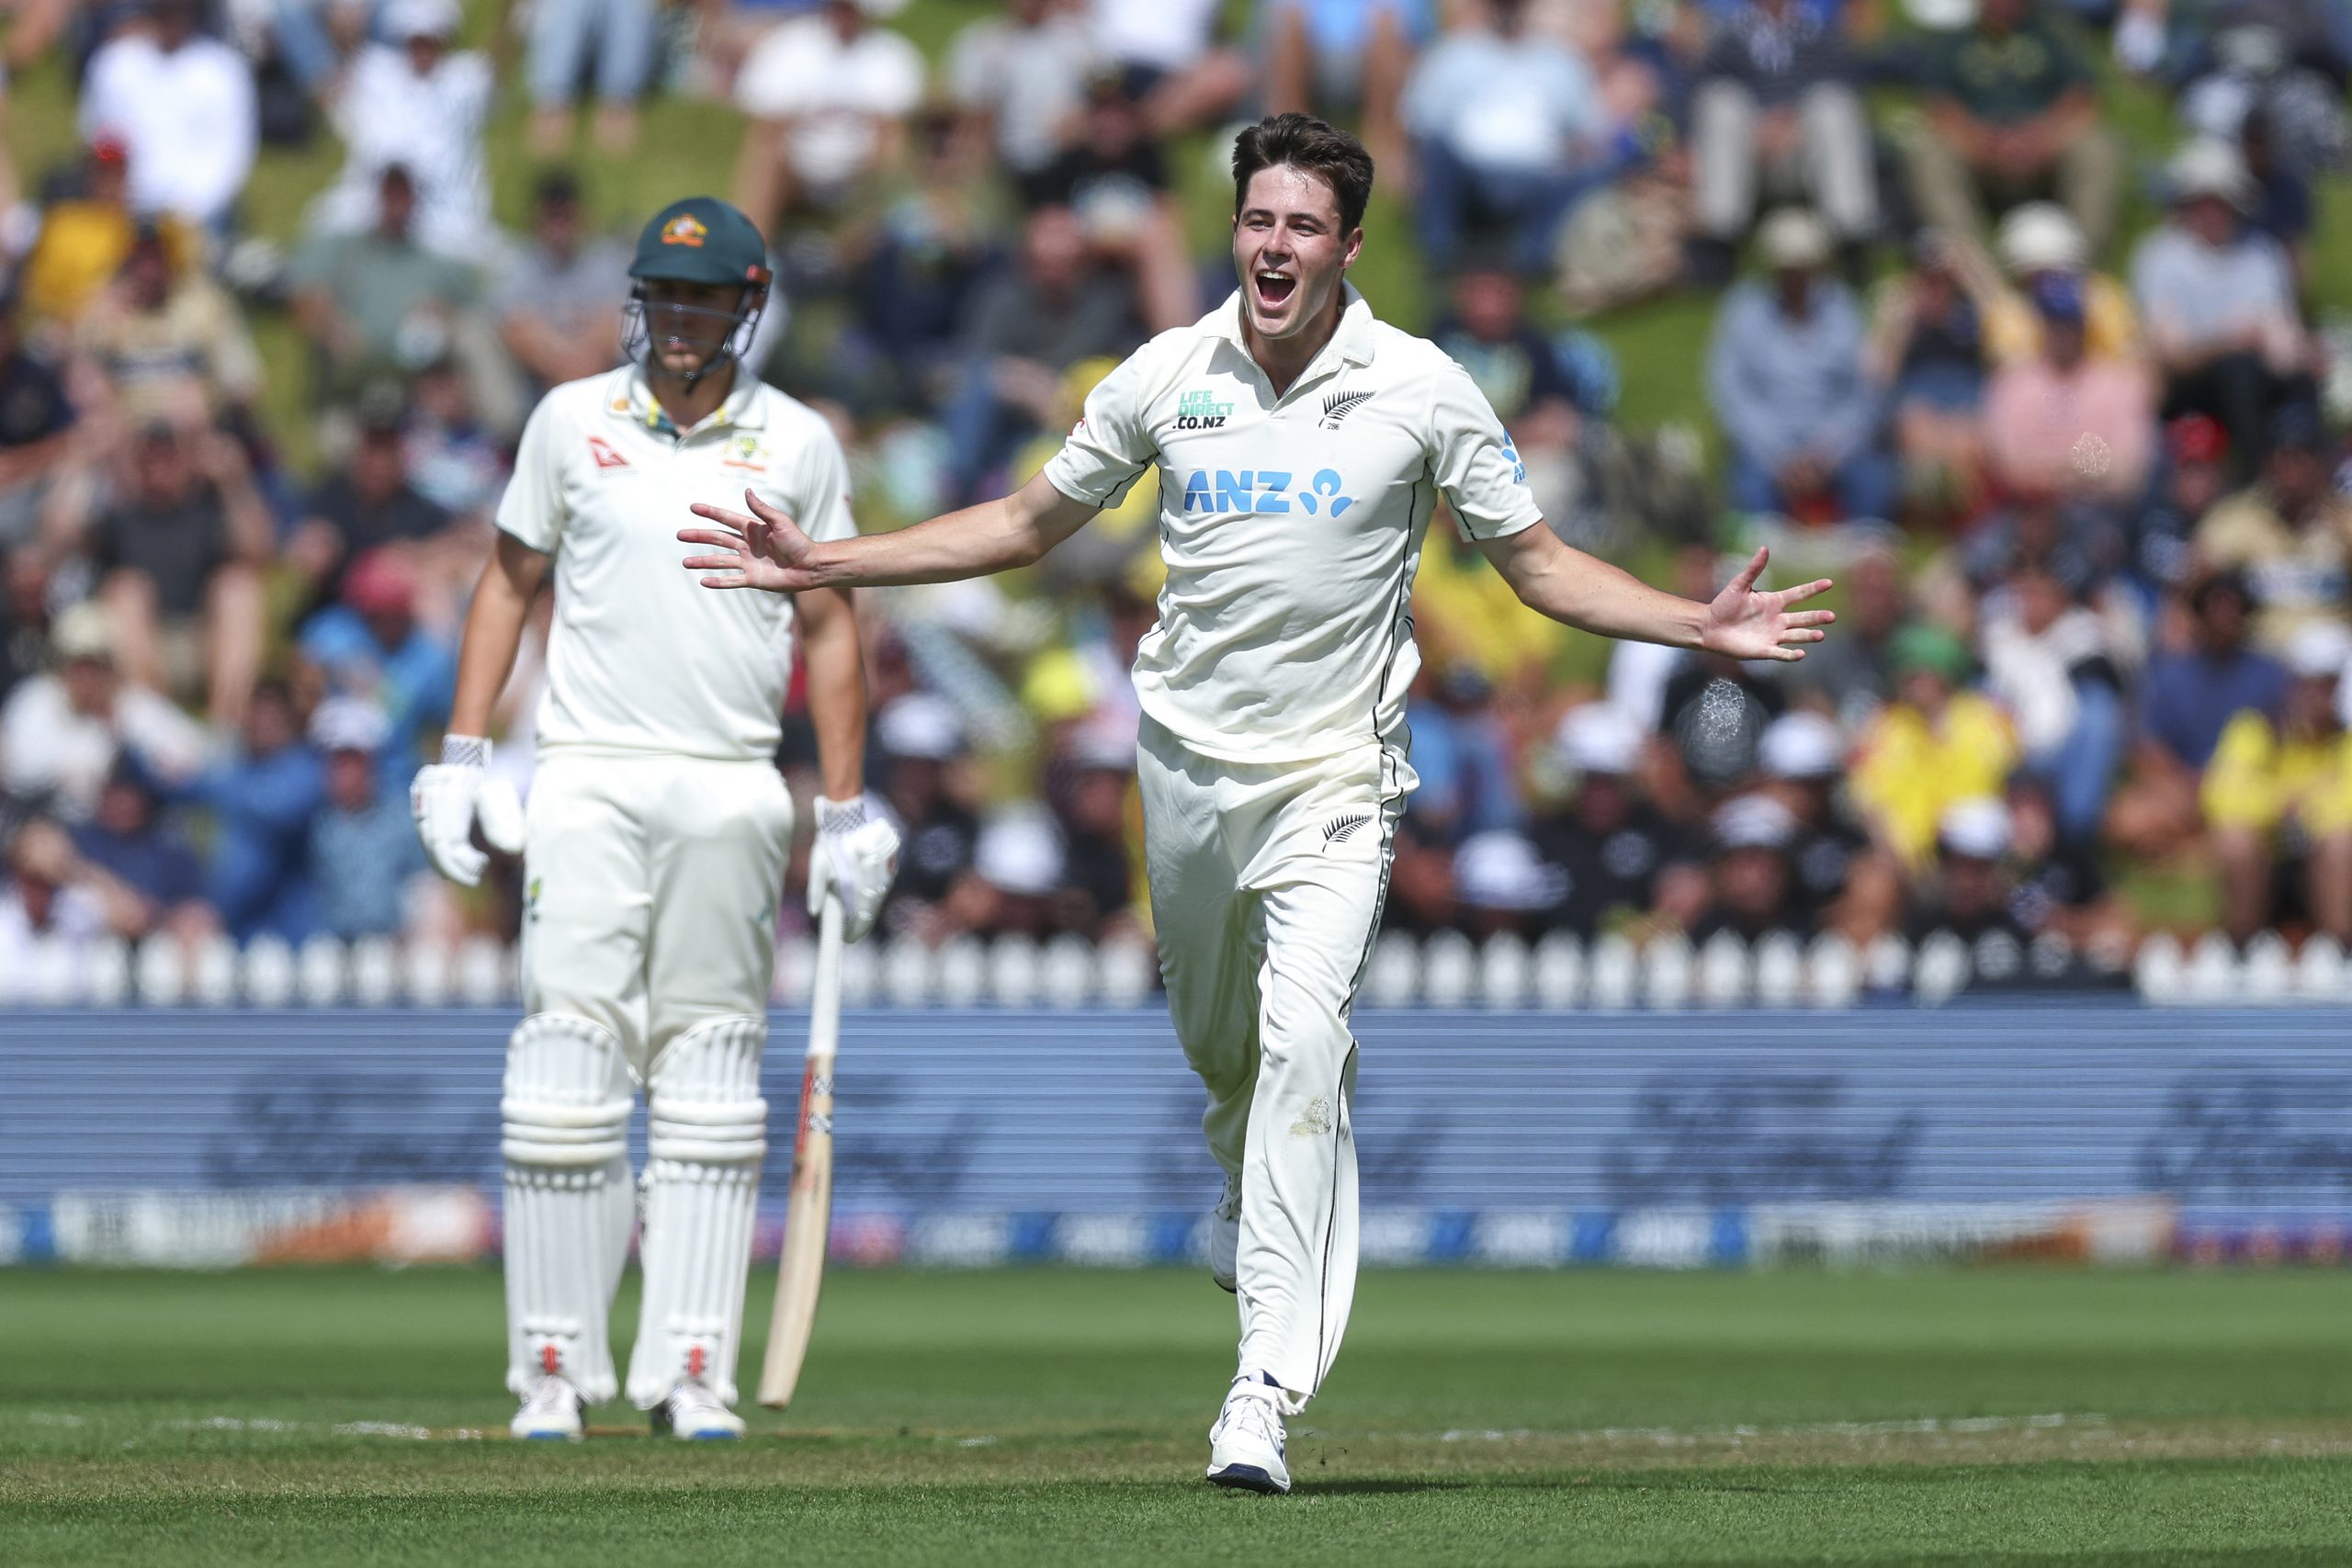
x=658, y=831
x=1301, y=446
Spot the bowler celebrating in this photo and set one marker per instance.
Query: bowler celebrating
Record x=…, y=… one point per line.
x=657, y=831
x=1301, y=446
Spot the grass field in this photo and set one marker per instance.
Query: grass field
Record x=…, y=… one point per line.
x=2001, y=1417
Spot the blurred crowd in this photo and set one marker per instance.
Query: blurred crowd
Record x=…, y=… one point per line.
x=2054, y=404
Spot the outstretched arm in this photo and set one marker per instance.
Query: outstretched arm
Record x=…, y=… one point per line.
x=765, y=549
x=1578, y=590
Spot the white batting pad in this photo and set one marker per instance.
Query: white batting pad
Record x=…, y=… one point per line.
x=568, y=1202
x=706, y=1132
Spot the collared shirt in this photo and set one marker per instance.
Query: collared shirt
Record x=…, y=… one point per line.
x=643, y=657
x=1291, y=525
x=1783, y=386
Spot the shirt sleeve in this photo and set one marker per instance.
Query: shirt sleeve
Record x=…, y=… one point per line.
x=821, y=507
x=1474, y=461
x=533, y=509
x=1111, y=447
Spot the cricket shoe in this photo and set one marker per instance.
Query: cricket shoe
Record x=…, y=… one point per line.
x=694, y=1412
x=1245, y=1444
x=1225, y=1237
x=550, y=1412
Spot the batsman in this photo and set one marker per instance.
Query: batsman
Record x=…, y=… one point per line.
x=1301, y=447
x=658, y=831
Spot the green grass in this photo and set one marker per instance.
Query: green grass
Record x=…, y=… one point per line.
x=2012, y=1416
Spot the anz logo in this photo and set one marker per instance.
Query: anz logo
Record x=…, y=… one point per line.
x=1261, y=491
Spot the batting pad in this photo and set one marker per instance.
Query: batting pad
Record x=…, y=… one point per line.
x=565, y=1115
x=706, y=1133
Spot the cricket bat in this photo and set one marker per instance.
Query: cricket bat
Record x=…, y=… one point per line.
x=808, y=1211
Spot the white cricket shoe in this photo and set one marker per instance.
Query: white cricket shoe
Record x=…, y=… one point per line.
x=1225, y=1237
x=550, y=1412
x=1245, y=1444
x=694, y=1412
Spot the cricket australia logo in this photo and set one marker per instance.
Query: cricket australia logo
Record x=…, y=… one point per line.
x=1201, y=411
x=1340, y=830
x=1339, y=405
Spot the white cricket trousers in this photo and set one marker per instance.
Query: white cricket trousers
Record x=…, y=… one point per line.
x=651, y=885
x=1266, y=888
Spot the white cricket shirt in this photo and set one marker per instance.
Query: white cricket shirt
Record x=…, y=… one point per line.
x=1292, y=527
x=642, y=657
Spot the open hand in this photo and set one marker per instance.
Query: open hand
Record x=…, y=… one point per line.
x=763, y=549
x=1744, y=623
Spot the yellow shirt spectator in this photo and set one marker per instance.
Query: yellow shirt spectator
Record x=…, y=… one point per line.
x=2111, y=325
x=2262, y=780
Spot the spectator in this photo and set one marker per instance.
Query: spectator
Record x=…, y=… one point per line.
x=2289, y=537
x=2280, y=203
x=2279, y=796
x=2047, y=662
x=455, y=460
x=1786, y=375
x=1115, y=180
x=364, y=853
x=24, y=619
x=1752, y=887
x=1851, y=674
x=377, y=306
x=363, y=505
x=262, y=799
x=2010, y=114
x=53, y=896
x=127, y=838
x=829, y=96
x=561, y=295
x=1020, y=81
x=1501, y=886
x=63, y=730
x=1937, y=743
x=85, y=232
x=180, y=550
x=183, y=106
x=1607, y=840
x=1508, y=128
x=1323, y=55
x=2042, y=240
x=1779, y=97
x=371, y=648
x=2219, y=302
x=1018, y=882
x=1927, y=349
x=1802, y=758
x=926, y=782
x=1972, y=894
x=1462, y=756
x=1092, y=808
x=2065, y=424
x=2190, y=479
x=1029, y=324
x=1485, y=331
x=620, y=39
x=415, y=103
x=2188, y=698
x=37, y=438
x=168, y=341
x=1167, y=51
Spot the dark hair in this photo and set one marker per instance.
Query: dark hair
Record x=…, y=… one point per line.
x=1303, y=143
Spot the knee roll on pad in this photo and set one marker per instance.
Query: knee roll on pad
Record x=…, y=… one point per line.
x=704, y=1106
x=567, y=1098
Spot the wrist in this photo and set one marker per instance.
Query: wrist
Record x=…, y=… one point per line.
x=465, y=751
x=839, y=816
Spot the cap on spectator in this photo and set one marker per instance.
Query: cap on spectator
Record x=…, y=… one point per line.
x=1600, y=737
x=1020, y=852
x=1753, y=822
x=379, y=583
x=1791, y=238
x=2059, y=297
x=109, y=147
x=2197, y=438
x=1976, y=829
x=2298, y=427
x=2208, y=166
x=922, y=727
x=1801, y=746
x=2041, y=236
x=84, y=631
x=349, y=724
x=2318, y=651
x=1499, y=870
x=405, y=19
x=1924, y=646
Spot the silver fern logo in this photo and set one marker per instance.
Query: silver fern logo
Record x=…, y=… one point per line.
x=1339, y=405
x=1340, y=828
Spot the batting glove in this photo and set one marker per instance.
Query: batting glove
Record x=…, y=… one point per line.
x=855, y=856
x=449, y=796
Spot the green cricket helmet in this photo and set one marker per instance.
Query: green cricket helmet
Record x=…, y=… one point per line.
x=704, y=240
